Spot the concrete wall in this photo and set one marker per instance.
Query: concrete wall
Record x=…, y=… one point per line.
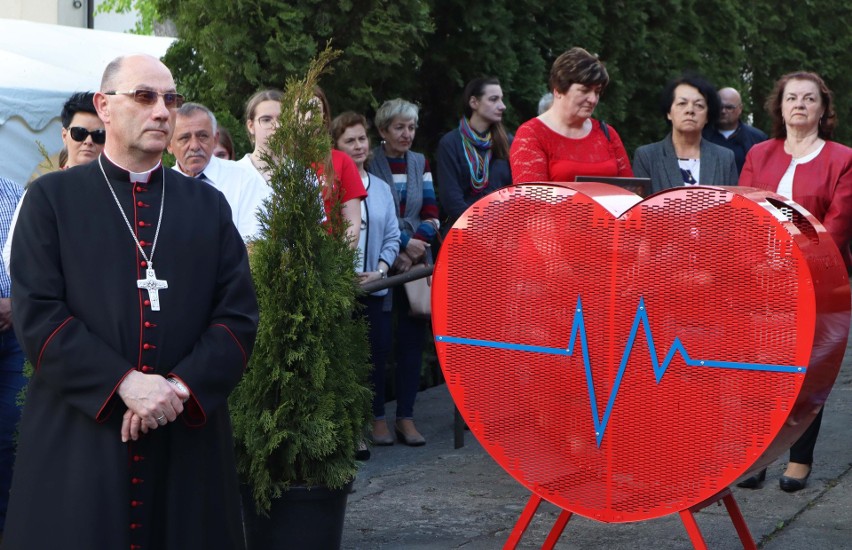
x=72, y=13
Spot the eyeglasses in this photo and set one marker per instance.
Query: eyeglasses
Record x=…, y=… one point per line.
x=729, y=107
x=267, y=122
x=80, y=134
x=173, y=100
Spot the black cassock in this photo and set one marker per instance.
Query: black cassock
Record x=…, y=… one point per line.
x=85, y=325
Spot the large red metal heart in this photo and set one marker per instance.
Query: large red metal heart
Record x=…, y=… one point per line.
x=627, y=359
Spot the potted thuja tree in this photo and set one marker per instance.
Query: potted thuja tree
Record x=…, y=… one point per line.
x=301, y=407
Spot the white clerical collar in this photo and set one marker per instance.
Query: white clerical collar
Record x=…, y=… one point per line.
x=136, y=177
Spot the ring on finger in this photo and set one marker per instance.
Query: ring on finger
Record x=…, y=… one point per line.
x=161, y=420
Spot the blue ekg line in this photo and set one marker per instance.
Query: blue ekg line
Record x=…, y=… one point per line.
x=578, y=327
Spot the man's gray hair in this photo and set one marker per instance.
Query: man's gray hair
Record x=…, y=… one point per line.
x=110, y=74
x=189, y=109
x=545, y=102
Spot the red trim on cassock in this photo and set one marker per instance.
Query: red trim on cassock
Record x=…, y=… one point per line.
x=242, y=349
x=101, y=416
x=49, y=338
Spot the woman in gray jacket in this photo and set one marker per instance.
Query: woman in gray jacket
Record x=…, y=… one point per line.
x=378, y=247
x=683, y=157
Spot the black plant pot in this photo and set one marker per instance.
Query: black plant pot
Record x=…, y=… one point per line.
x=308, y=518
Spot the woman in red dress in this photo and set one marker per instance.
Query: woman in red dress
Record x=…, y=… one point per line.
x=565, y=141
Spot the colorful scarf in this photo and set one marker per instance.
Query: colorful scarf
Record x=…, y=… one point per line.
x=477, y=151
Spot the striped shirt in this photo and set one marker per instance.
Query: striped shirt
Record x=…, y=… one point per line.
x=10, y=194
x=428, y=211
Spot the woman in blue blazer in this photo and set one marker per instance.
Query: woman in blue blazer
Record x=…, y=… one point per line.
x=682, y=157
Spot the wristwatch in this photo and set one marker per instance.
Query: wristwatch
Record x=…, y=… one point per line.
x=383, y=273
x=177, y=383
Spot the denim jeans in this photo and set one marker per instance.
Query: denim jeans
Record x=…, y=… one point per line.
x=11, y=381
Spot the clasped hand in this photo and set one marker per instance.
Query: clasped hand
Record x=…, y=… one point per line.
x=365, y=277
x=148, y=397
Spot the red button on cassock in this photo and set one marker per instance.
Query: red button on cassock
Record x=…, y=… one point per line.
x=140, y=204
x=138, y=458
x=147, y=302
x=146, y=368
x=140, y=188
x=135, y=503
x=147, y=324
x=142, y=224
x=146, y=346
x=143, y=263
x=137, y=480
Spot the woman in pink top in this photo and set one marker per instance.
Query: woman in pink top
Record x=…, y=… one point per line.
x=565, y=141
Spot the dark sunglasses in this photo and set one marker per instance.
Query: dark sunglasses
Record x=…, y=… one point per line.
x=80, y=134
x=172, y=100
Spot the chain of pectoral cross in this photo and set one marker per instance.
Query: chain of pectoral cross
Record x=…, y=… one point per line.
x=150, y=282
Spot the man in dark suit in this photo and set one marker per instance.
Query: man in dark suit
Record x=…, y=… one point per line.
x=731, y=132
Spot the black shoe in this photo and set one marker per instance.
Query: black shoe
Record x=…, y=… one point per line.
x=793, y=484
x=362, y=453
x=753, y=482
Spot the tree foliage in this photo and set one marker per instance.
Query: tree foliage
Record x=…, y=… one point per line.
x=425, y=51
x=231, y=48
x=301, y=407
x=811, y=36
x=147, y=10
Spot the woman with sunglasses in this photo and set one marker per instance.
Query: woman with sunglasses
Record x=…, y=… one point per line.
x=83, y=135
x=82, y=131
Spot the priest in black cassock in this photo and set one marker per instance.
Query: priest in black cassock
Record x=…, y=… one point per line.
x=135, y=305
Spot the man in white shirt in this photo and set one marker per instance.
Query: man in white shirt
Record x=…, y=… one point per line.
x=195, y=137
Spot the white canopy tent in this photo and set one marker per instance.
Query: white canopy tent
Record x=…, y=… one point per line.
x=41, y=66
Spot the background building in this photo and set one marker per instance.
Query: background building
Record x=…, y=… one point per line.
x=72, y=13
x=44, y=61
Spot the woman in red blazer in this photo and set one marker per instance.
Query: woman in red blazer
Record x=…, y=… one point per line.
x=802, y=163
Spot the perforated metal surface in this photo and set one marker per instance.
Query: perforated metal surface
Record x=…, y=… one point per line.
x=626, y=360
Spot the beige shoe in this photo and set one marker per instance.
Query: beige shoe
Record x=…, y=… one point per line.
x=381, y=435
x=406, y=432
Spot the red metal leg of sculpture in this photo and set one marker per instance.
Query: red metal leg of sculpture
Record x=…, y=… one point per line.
x=522, y=523
x=556, y=532
x=692, y=529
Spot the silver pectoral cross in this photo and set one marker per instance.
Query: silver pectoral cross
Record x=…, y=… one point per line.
x=153, y=286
